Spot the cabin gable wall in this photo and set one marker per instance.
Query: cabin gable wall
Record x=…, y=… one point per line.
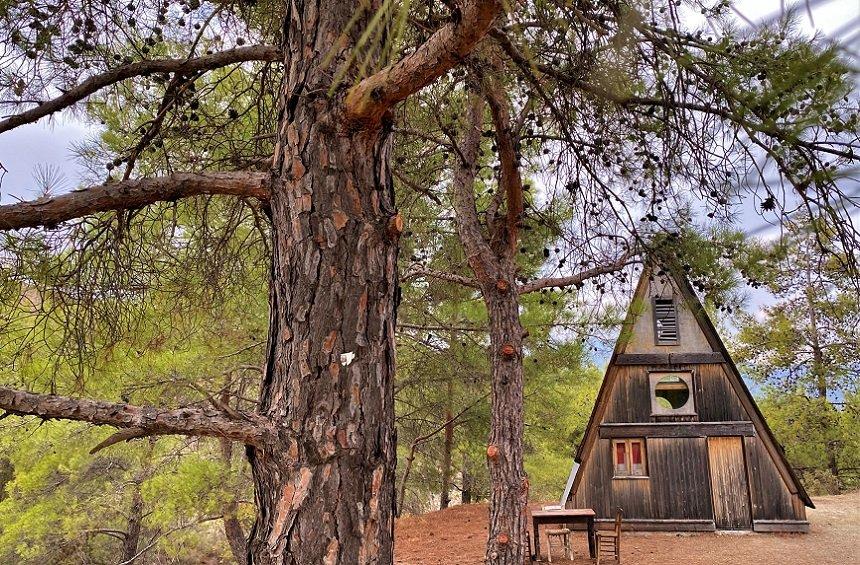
x=714, y=396
x=641, y=337
x=688, y=455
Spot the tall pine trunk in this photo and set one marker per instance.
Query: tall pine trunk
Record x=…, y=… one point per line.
x=326, y=493
x=508, y=542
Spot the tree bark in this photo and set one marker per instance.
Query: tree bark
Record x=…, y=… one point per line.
x=327, y=495
x=135, y=525
x=125, y=195
x=185, y=65
x=494, y=267
x=507, y=543
x=137, y=421
x=322, y=452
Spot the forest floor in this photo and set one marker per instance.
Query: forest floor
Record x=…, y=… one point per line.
x=456, y=536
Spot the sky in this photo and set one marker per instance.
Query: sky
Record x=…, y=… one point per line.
x=49, y=142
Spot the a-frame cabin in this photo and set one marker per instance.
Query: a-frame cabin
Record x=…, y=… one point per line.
x=675, y=438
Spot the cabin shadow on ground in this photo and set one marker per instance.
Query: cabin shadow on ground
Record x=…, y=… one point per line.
x=456, y=536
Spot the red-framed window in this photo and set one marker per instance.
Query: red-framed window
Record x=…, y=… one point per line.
x=628, y=458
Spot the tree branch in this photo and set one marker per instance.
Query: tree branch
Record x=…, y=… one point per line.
x=578, y=278
x=509, y=176
x=367, y=101
x=418, y=271
x=184, y=66
x=136, y=421
x=478, y=251
x=129, y=194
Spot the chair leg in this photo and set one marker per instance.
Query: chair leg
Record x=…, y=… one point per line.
x=549, y=548
x=598, y=551
x=568, y=547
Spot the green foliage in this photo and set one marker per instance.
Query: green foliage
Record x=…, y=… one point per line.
x=808, y=427
x=805, y=348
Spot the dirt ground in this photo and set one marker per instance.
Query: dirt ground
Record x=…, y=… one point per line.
x=456, y=536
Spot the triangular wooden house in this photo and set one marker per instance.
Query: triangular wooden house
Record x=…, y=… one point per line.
x=675, y=438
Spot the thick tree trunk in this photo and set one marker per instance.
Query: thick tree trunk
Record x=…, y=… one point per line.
x=507, y=543
x=326, y=494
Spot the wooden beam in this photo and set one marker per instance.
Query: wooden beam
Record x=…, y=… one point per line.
x=798, y=526
x=669, y=358
x=676, y=429
x=654, y=525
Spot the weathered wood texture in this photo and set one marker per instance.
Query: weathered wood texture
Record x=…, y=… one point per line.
x=677, y=429
x=752, y=479
x=668, y=358
x=676, y=487
x=771, y=498
x=781, y=526
x=629, y=398
x=671, y=525
x=716, y=399
x=730, y=491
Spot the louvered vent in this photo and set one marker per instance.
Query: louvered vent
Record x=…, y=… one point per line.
x=665, y=321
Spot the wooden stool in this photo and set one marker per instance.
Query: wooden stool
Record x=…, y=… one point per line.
x=609, y=542
x=564, y=534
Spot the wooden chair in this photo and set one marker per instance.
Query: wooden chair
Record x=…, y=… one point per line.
x=563, y=534
x=609, y=542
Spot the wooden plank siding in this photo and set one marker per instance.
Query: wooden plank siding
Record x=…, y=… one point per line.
x=630, y=397
x=771, y=499
x=729, y=486
x=678, y=470
x=676, y=487
x=716, y=399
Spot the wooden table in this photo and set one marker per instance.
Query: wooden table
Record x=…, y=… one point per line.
x=564, y=516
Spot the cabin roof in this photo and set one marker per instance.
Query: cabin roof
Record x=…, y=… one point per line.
x=707, y=327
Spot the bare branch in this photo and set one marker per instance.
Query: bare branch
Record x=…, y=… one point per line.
x=578, y=278
x=509, y=179
x=367, y=101
x=130, y=194
x=478, y=251
x=136, y=421
x=184, y=66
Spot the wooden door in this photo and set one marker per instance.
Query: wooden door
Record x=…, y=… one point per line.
x=729, y=485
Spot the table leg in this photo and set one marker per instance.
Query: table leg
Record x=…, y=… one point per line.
x=536, y=554
x=591, y=536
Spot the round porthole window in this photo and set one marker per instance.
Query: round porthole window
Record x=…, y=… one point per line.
x=671, y=393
